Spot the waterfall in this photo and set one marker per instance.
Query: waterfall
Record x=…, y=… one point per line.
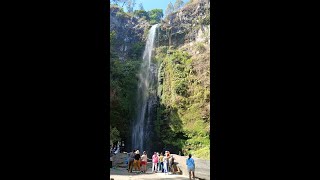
x=142, y=128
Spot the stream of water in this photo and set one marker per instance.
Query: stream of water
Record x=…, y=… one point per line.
x=142, y=129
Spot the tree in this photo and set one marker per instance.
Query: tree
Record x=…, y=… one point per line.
x=155, y=16
x=118, y=1
x=178, y=4
x=141, y=7
x=141, y=14
x=169, y=9
x=114, y=135
x=130, y=5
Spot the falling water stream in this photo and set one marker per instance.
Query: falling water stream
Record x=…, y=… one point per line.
x=142, y=129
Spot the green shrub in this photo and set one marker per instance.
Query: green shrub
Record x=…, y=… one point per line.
x=136, y=51
x=181, y=87
x=206, y=20
x=200, y=47
x=203, y=153
x=141, y=14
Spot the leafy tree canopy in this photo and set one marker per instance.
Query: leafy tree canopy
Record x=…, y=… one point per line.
x=155, y=15
x=169, y=9
x=178, y=4
x=141, y=7
x=130, y=5
x=141, y=14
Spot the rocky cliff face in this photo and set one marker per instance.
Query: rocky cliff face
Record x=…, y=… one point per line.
x=183, y=54
x=130, y=31
x=190, y=24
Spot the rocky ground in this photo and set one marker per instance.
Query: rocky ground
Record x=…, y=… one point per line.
x=119, y=170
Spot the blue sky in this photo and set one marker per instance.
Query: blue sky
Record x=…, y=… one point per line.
x=154, y=4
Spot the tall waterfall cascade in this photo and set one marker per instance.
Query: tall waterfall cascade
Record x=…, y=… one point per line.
x=142, y=129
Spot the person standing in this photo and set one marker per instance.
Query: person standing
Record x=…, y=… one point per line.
x=165, y=165
x=171, y=161
x=144, y=159
x=168, y=161
x=131, y=160
x=190, y=166
x=158, y=161
x=136, y=161
x=161, y=162
x=155, y=160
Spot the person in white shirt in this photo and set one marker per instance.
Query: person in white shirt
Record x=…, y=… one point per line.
x=144, y=159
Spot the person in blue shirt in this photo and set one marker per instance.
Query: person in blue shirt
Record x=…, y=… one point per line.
x=191, y=166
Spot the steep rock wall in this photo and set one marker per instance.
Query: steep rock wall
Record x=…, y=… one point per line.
x=190, y=24
x=130, y=32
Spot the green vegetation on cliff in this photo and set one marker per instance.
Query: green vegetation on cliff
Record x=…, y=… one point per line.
x=183, y=115
x=123, y=85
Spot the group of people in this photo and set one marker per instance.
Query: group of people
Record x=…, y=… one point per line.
x=163, y=163
x=160, y=163
x=115, y=149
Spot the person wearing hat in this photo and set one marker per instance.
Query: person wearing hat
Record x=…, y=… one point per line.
x=137, y=161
